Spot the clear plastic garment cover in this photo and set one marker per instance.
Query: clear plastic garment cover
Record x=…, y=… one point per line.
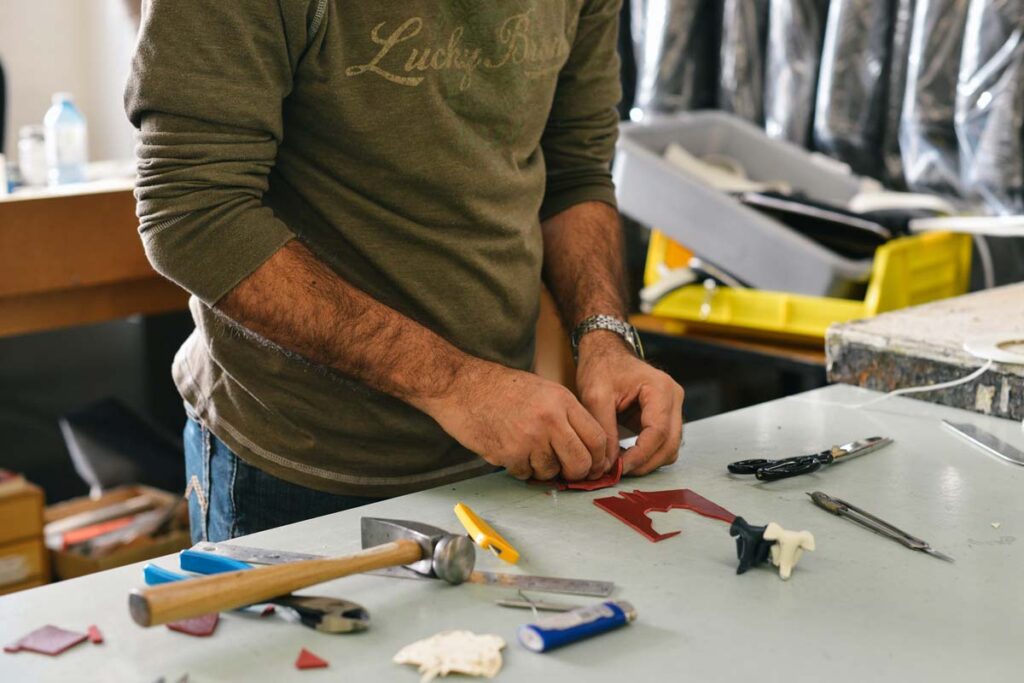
x=928, y=145
x=990, y=104
x=792, y=57
x=853, y=83
x=741, y=58
x=892, y=161
x=675, y=55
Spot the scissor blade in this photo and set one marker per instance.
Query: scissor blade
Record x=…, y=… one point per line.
x=935, y=553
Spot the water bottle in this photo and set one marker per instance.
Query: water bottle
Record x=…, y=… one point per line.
x=32, y=155
x=66, y=153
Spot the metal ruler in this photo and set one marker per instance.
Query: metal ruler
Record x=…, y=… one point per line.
x=525, y=582
x=988, y=442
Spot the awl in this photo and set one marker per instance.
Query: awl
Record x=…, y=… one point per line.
x=839, y=507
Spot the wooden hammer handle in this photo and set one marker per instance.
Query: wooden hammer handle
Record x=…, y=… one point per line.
x=218, y=592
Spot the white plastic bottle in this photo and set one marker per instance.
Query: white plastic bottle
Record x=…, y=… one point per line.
x=32, y=155
x=66, y=141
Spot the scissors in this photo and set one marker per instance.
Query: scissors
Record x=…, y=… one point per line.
x=770, y=470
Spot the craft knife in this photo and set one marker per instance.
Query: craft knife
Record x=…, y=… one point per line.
x=544, y=584
x=840, y=508
x=987, y=442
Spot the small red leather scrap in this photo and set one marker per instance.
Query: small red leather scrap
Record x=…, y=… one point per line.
x=197, y=626
x=611, y=479
x=632, y=508
x=95, y=636
x=48, y=640
x=267, y=610
x=308, y=660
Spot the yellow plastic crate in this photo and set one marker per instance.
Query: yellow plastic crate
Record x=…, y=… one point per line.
x=906, y=272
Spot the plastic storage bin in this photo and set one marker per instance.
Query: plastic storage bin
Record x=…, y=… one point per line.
x=906, y=272
x=754, y=247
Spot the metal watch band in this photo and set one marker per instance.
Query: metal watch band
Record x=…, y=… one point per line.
x=610, y=323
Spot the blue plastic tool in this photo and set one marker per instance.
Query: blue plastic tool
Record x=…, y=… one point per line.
x=577, y=624
x=207, y=563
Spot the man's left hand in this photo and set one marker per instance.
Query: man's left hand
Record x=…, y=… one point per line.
x=616, y=386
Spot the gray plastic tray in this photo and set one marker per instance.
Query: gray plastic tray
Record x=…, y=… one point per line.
x=755, y=248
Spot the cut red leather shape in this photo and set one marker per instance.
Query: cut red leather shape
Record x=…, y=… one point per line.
x=308, y=660
x=632, y=508
x=94, y=635
x=611, y=479
x=197, y=626
x=48, y=640
x=267, y=610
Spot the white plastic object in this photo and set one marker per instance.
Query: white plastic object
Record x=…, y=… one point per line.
x=789, y=546
x=66, y=141
x=992, y=347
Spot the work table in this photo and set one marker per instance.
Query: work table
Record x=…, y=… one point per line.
x=859, y=608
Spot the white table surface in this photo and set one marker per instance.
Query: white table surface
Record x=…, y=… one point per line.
x=860, y=608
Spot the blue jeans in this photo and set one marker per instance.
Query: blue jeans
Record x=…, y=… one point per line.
x=227, y=497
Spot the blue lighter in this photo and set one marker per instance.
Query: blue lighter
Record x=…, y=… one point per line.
x=578, y=624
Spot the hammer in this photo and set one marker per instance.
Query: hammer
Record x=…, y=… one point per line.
x=424, y=549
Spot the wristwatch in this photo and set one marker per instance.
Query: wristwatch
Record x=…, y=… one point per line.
x=610, y=323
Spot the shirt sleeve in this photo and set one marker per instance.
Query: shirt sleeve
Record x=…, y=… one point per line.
x=205, y=91
x=579, y=139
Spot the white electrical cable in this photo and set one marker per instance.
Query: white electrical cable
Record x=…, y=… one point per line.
x=931, y=387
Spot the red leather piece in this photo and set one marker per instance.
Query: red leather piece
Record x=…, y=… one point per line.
x=94, y=635
x=632, y=508
x=48, y=640
x=611, y=479
x=197, y=626
x=308, y=660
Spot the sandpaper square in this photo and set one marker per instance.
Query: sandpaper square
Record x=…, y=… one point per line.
x=48, y=640
x=197, y=626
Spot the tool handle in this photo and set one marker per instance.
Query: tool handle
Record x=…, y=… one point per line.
x=208, y=563
x=748, y=466
x=218, y=592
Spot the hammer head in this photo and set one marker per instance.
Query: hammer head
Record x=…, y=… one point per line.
x=445, y=556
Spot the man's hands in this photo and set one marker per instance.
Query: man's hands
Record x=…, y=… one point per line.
x=532, y=427
x=537, y=429
x=616, y=386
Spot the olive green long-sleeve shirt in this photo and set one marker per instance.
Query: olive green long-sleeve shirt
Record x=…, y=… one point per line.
x=413, y=145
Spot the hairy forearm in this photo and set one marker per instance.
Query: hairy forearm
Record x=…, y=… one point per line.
x=295, y=301
x=583, y=265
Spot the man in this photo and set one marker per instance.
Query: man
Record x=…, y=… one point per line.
x=360, y=197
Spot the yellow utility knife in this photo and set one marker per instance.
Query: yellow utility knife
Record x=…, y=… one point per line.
x=484, y=536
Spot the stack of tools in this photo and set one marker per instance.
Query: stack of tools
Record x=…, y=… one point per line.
x=125, y=525
x=23, y=559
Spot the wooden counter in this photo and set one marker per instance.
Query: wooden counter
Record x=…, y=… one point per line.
x=73, y=258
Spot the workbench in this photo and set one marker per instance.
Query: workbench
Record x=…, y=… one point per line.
x=859, y=608
x=925, y=345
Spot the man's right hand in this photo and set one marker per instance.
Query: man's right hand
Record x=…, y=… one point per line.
x=532, y=427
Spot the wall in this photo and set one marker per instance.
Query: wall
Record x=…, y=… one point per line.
x=82, y=46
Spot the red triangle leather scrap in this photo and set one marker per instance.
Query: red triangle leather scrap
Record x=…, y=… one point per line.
x=632, y=508
x=308, y=660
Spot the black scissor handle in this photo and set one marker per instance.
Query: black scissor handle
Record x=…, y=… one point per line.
x=748, y=466
x=789, y=467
